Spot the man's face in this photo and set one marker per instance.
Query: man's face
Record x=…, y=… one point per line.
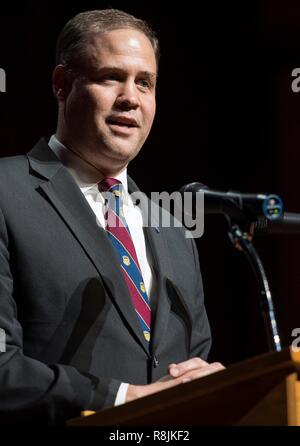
x=110, y=110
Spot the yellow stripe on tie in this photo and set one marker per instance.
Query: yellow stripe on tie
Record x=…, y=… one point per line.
x=147, y=335
x=142, y=287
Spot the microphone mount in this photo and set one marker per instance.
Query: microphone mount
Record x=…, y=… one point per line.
x=241, y=212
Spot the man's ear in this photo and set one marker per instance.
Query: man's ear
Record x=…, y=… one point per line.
x=61, y=82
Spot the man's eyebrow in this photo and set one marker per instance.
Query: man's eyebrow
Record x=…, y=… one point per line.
x=149, y=74
x=116, y=69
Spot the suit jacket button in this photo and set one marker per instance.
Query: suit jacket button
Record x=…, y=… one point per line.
x=155, y=362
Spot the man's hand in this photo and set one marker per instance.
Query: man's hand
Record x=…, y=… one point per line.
x=178, y=374
x=193, y=368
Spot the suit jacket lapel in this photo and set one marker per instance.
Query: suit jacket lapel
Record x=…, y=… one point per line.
x=155, y=238
x=162, y=311
x=63, y=193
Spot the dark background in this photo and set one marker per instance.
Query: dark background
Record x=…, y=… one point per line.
x=227, y=117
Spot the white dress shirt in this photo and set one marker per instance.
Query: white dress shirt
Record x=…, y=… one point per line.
x=87, y=178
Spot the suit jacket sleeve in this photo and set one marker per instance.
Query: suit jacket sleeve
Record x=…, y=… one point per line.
x=31, y=390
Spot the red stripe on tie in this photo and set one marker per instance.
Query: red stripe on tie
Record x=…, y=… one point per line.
x=117, y=229
x=121, y=233
x=138, y=301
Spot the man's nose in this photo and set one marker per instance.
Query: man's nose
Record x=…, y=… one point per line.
x=128, y=96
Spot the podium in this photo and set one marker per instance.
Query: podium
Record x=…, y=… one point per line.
x=260, y=391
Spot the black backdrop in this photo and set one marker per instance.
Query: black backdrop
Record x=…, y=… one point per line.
x=227, y=117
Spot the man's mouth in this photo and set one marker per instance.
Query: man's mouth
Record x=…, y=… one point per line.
x=122, y=121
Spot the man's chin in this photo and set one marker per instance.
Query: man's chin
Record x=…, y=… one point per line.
x=122, y=152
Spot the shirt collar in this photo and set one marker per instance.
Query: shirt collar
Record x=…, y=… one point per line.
x=85, y=175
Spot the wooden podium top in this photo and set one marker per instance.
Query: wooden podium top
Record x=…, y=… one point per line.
x=223, y=398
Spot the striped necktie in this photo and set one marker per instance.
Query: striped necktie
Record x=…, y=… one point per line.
x=119, y=234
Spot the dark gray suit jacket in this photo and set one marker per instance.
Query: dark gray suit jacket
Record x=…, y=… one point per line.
x=72, y=335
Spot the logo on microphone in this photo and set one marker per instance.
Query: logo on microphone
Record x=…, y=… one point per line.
x=273, y=207
x=2, y=81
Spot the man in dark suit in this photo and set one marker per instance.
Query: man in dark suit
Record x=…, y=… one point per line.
x=75, y=335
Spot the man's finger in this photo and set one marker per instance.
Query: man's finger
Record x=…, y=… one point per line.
x=201, y=372
x=176, y=370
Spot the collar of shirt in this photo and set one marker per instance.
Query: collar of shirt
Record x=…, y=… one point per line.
x=85, y=175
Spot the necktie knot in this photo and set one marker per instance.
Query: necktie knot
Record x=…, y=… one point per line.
x=112, y=191
x=111, y=185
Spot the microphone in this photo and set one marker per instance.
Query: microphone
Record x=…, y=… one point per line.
x=253, y=206
x=288, y=224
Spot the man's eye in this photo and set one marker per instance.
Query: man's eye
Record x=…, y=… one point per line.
x=145, y=83
x=108, y=77
x=111, y=77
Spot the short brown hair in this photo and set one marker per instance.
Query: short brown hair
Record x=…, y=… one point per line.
x=73, y=37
